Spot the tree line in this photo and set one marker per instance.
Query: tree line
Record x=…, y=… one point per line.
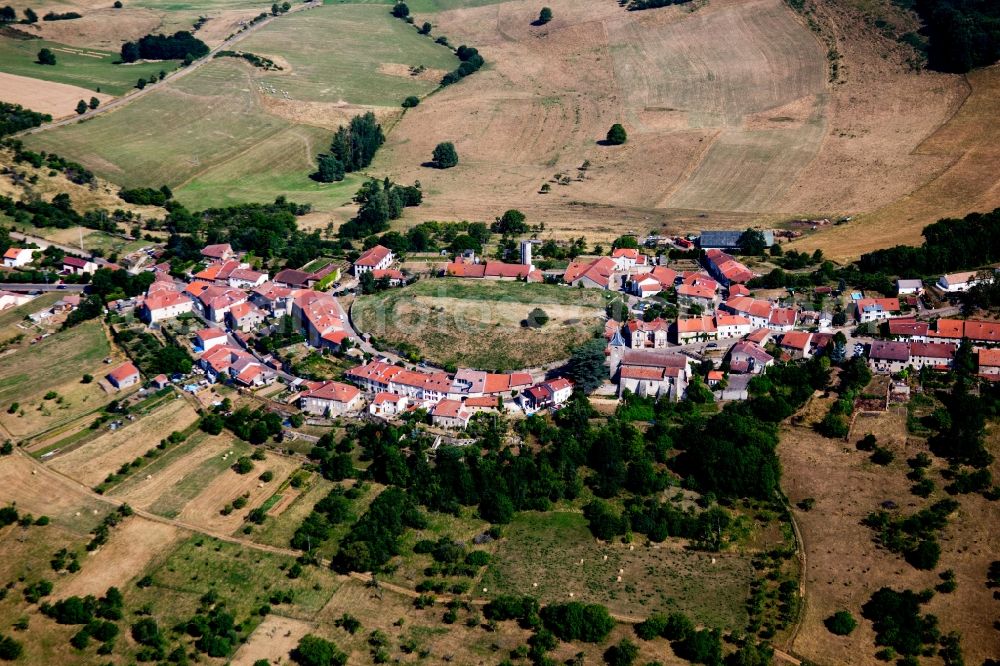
x=181, y=45
x=15, y=118
x=379, y=202
x=962, y=34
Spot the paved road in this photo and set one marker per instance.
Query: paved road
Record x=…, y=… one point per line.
x=119, y=102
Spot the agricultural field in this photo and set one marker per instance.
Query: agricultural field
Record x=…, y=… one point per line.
x=90, y=69
x=54, y=367
x=90, y=463
x=237, y=133
x=478, y=323
x=554, y=555
x=844, y=566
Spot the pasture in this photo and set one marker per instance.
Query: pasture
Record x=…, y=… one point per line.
x=478, y=323
x=90, y=69
x=844, y=566
x=54, y=364
x=553, y=555
x=229, y=132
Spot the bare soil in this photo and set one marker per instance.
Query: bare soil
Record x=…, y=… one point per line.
x=272, y=640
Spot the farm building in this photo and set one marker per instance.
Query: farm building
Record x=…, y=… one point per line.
x=124, y=375
x=728, y=240
x=373, y=259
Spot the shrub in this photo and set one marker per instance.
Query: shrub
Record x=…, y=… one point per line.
x=445, y=156
x=411, y=102
x=616, y=135
x=243, y=465
x=544, y=16
x=840, y=623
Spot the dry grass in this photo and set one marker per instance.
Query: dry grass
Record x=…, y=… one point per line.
x=844, y=566
x=478, y=323
x=203, y=509
x=965, y=150
x=133, y=545
x=272, y=640
x=96, y=459
x=55, y=99
x=66, y=504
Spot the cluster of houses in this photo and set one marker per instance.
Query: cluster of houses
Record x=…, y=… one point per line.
x=916, y=344
x=450, y=399
x=19, y=257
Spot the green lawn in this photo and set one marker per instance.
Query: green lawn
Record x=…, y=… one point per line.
x=96, y=71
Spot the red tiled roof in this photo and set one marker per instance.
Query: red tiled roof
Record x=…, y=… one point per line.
x=702, y=324
x=335, y=391
x=373, y=256
x=482, y=401
x=989, y=358
x=908, y=327
x=75, y=262
x=383, y=397
x=696, y=291
x=206, y=334
x=796, y=339
x=462, y=269
x=559, y=384
x=217, y=251
x=391, y=273
x=123, y=372
x=164, y=298
x=933, y=349
x=447, y=408
x=500, y=269
x=638, y=372
x=599, y=271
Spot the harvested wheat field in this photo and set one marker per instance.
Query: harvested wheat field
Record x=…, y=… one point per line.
x=41, y=492
x=844, y=566
x=134, y=543
x=272, y=640
x=55, y=99
x=204, y=509
x=93, y=461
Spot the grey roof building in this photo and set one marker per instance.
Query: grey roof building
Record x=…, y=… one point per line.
x=728, y=240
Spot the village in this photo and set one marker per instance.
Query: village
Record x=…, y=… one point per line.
x=723, y=333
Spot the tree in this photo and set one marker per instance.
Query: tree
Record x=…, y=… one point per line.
x=118, y=4
x=329, y=169
x=46, y=57
x=140, y=84
x=10, y=649
x=544, y=16
x=426, y=28
x=841, y=623
x=94, y=102
x=367, y=283
x=411, y=102
x=30, y=16
x=616, y=135
x=511, y=223
x=537, y=318
x=752, y=241
x=445, y=156
x=81, y=107
x=400, y=10
x=628, y=241
x=586, y=365
x=622, y=654
x=8, y=14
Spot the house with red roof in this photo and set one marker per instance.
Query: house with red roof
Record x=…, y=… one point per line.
x=875, y=309
x=782, y=319
x=394, y=276
x=331, y=399
x=387, y=404
x=989, y=362
x=627, y=258
x=596, y=274
x=690, y=329
x=124, y=376
x=757, y=311
x=908, y=329
x=207, y=338
x=165, y=301
x=78, y=266
x=737, y=290
x=731, y=326
x=450, y=414
x=319, y=315
x=272, y=298
x=939, y=356
x=246, y=278
x=639, y=334
x=651, y=373
x=374, y=376
x=16, y=257
x=797, y=344
x=218, y=252
x=548, y=394
x=748, y=358
x=217, y=300
x=726, y=269
x=373, y=259
x=245, y=317
x=646, y=286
